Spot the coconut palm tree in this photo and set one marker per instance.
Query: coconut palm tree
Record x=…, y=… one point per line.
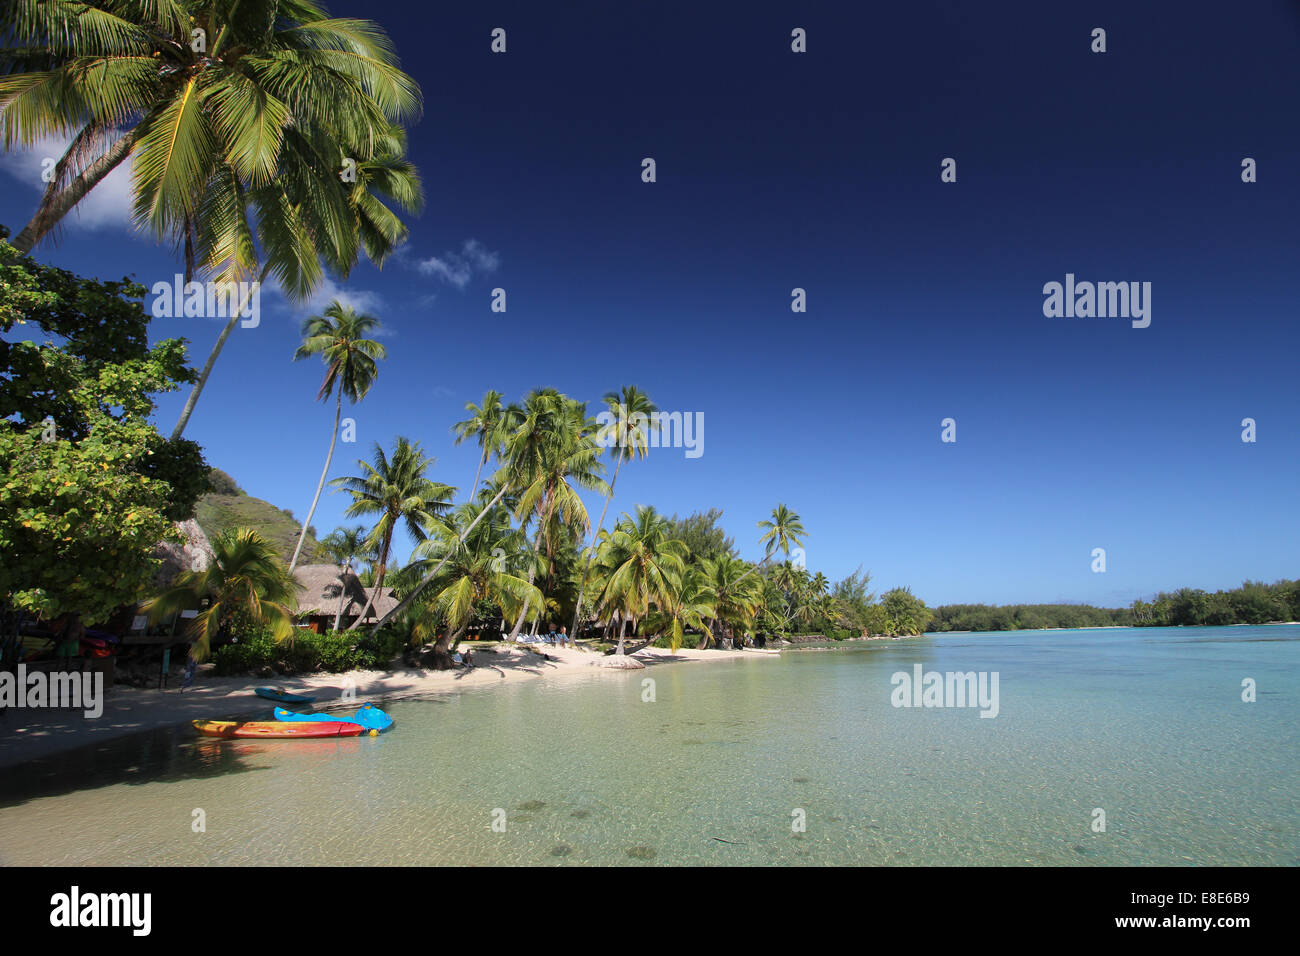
x=343, y=546
x=245, y=584
x=643, y=566
x=691, y=602
x=488, y=425
x=785, y=529
x=224, y=107
x=628, y=433
x=338, y=336
x=503, y=485
x=303, y=223
x=736, y=595
x=395, y=488
x=187, y=86
x=552, y=454
x=474, y=567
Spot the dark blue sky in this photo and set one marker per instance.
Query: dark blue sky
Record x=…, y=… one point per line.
x=821, y=171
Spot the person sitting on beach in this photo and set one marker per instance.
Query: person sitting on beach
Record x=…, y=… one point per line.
x=563, y=637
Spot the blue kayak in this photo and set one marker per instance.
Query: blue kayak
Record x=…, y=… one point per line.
x=283, y=696
x=368, y=716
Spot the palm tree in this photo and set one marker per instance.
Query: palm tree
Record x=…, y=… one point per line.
x=223, y=107
x=342, y=546
x=305, y=221
x=690, y=603
x=629, y=433
x=245, y=583
x=192, y=85
x=736, y=600
x=503, y=485
x=553, y=450
x=488, y=424
x=785, y=529
x=472, y=569
x=395, y=488
x=643, y=566
x=339, y=336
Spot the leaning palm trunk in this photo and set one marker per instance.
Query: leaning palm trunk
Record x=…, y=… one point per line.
x=586, y=568
x=55, y=207
x=442, y=650
x=405, y=602
x=343, y=595
x=532, y=573
x=212, y=360
x=320, y=485
x=379, y=579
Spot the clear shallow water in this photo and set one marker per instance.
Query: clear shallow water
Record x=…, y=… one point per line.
x=1147, y=724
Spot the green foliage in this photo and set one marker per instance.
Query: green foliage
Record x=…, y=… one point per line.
x=1013, y=617
x=703, y=535
x=78, y=521
x=95, y=364
x=88, y=487
x=905, y=613
x=308, y=652
x=1253, y=603
x=245, y=586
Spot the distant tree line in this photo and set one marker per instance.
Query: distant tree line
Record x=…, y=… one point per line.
x=1253, y=603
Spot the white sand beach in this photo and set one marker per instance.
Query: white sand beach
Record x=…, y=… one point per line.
x=27, y=734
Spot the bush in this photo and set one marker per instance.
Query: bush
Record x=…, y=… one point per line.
x=331, y=652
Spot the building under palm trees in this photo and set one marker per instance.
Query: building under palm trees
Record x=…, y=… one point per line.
x=327, y=593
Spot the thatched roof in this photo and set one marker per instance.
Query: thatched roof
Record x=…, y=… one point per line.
x=321, y=586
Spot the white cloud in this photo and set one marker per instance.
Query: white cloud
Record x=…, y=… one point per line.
x=457, y=268
x=107, y=206
x=363, y=300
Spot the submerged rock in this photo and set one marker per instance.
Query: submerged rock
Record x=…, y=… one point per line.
x=621, y=662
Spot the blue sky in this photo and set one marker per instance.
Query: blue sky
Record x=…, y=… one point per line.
x=821, y=171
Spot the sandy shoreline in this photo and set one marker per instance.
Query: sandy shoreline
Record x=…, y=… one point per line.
x=29, y=734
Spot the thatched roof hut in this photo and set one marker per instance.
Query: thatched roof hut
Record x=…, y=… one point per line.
x=321, y=588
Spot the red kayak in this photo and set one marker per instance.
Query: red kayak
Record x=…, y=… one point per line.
x=274, y=728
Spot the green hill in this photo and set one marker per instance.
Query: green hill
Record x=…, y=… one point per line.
x=229, y=506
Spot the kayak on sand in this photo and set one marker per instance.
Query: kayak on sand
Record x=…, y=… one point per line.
x=281, y=695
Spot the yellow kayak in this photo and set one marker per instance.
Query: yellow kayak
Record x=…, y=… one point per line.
x=276, y=728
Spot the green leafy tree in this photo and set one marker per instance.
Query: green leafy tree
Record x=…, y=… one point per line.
x=905, y=612
x=702, y=533
x=88, y=487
